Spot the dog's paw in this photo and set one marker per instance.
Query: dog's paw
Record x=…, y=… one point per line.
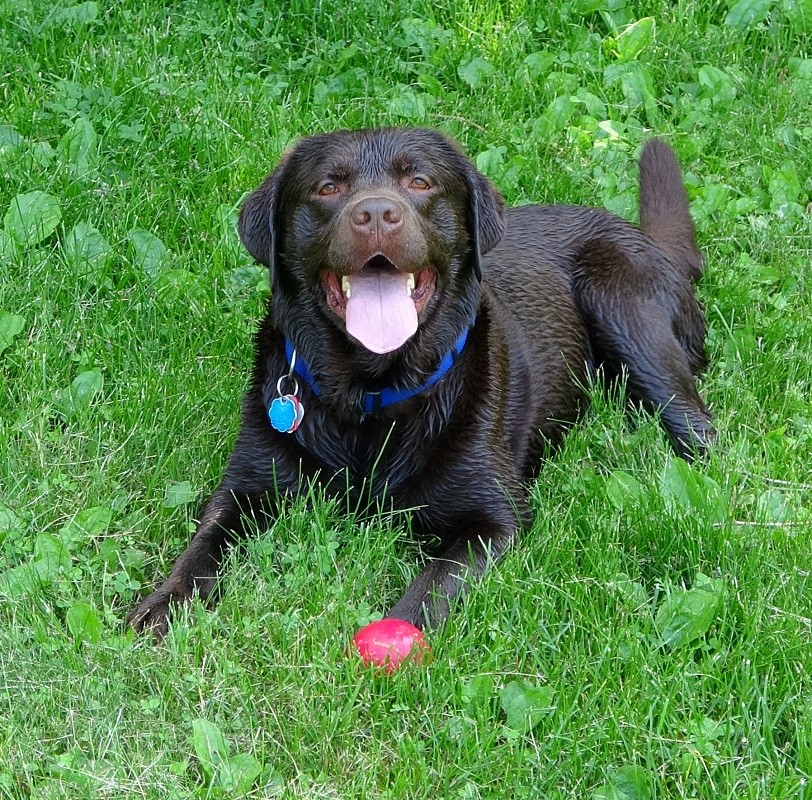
x=152, y=614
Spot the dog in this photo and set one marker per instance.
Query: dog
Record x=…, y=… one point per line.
x=426, y=345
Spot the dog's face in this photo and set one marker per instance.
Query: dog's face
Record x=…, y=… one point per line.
x=378, y=229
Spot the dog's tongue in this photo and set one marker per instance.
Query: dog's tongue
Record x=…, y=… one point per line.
x=380, y=310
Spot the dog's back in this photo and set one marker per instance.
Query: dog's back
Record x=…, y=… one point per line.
x=569, y=274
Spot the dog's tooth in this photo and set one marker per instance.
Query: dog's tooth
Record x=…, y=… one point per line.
x=410, y=284
x=346, y=287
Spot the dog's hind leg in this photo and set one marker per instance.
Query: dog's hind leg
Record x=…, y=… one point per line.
x=645, y=323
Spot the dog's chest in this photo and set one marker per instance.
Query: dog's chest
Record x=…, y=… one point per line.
x=377, y=454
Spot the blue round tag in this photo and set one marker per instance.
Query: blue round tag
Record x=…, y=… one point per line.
x=282, y=414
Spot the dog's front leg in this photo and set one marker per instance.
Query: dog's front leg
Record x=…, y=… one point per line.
x=195, y=572
x=427, y=600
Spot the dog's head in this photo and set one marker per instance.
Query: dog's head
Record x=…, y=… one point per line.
x=378, y=229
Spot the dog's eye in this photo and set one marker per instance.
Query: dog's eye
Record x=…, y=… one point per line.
x=327, y=189
x=419, y=183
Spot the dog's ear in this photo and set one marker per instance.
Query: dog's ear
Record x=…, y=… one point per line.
x=486, y=215
x=258, y=217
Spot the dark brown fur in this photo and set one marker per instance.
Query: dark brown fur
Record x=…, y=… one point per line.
x=556, y=292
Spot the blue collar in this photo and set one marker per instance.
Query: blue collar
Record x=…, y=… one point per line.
x=374, y=401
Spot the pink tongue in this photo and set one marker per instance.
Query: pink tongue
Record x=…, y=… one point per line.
x=380, y=311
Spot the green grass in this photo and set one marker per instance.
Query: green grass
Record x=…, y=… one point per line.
x=125, y=348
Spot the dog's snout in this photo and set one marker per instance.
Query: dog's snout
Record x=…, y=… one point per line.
x=376, y=216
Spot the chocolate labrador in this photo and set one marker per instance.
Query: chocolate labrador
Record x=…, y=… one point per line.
x=425, y=345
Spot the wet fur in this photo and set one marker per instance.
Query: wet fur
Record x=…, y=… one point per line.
x=557, y=292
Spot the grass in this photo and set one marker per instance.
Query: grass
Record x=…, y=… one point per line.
x=651, y=637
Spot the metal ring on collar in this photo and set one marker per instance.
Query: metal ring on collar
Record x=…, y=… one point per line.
x=285, y=378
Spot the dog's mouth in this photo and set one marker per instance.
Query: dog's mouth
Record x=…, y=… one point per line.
x=379, y=303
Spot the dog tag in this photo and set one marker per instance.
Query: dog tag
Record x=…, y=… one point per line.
x=299, y=413
x=286, y=413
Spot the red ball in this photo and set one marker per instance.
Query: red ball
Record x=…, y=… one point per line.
x=389, y=642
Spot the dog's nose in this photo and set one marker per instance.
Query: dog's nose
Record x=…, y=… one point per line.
x=376, y=216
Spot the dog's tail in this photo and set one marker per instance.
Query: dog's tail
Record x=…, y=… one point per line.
x=664, y=212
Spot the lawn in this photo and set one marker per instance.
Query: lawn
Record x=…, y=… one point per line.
x=651, y=636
